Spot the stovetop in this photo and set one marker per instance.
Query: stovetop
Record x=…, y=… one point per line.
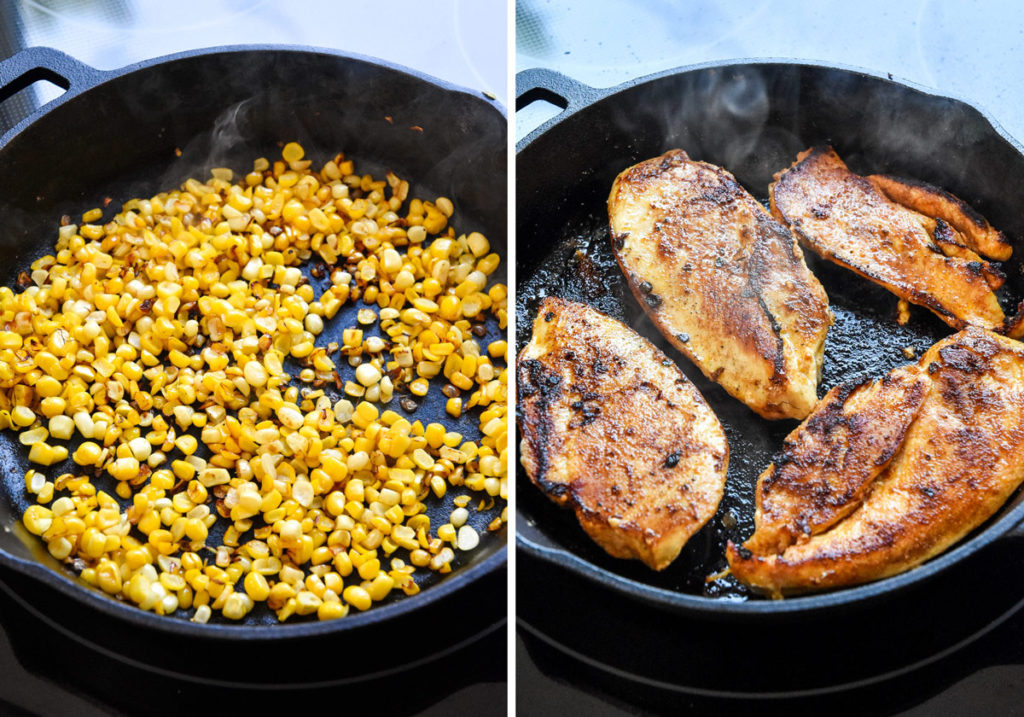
x=45, y=668
x=956, y=640
x=57, y=658
x=956, y=645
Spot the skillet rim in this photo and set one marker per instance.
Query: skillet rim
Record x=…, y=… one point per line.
x=1004, y=527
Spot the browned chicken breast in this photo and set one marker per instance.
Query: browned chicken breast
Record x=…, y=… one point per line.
x=925, y=260
x=612, y=428
x=886, y=475
x=724, y=282
x=829, y=463
x=931, y=201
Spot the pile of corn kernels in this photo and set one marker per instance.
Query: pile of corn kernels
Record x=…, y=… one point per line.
x=176, y=318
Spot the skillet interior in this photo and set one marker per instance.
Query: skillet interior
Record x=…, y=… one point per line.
x=226, y=108
x=752, y=119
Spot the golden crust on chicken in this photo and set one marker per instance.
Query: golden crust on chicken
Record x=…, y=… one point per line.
x=847, y=219
x=724, y=282
x=938, y=469
x=613, y=429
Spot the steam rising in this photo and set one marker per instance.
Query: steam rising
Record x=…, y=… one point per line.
x=225, y=145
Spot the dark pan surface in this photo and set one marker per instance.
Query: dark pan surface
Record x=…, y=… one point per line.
x=753, y=120
x=226, y=108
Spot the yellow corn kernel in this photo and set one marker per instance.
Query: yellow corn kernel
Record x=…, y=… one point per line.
x=22, y=416
x=256, y=587
x=147, y=301
x=357, y=597
x=293, y=152
x=61, y=427
x=37, y=519
x=47, y=455
x=454, y=407
x=497, y=349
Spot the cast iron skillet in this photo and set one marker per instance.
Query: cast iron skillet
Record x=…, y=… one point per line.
x=751, y=118
x=115, y=134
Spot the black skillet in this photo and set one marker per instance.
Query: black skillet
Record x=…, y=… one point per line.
x=145, y=128
x=751, y=118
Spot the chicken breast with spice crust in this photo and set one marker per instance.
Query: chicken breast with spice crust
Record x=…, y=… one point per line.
x=884, y=476
x=613, y=429
x=851, y=220
x=723, y=281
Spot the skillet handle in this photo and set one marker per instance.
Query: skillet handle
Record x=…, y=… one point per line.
x=44, y=63
x=560, y=90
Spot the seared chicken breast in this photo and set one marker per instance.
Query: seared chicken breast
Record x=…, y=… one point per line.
x=884, y=476
x=612, y=428
x=724, y=282
x=926, y=260
x=973, y=229
x=827, y=466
